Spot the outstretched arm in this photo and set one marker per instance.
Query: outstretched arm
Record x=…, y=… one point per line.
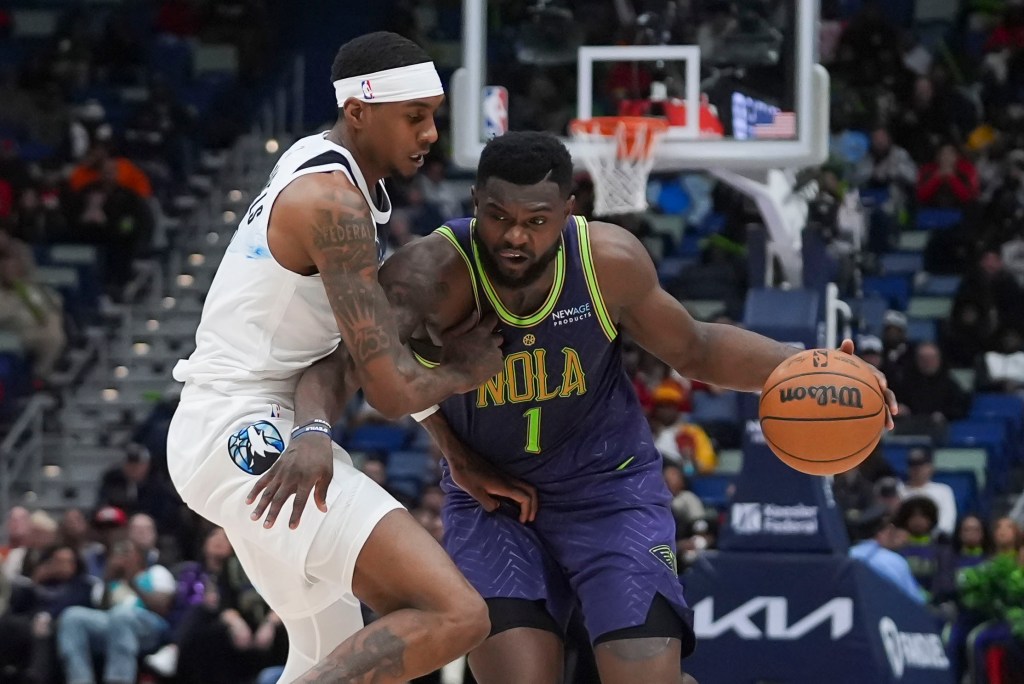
x=331, y=221
x=722, y=355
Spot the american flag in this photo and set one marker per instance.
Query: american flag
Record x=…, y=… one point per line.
x=782, y=126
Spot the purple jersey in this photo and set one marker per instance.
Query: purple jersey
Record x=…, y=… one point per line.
x=564, y=416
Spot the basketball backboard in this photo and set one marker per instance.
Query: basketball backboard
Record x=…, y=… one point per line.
x=749, y=67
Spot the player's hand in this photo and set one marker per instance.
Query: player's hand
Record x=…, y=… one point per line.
x=473, y=347
x=307, y=465
x=892, y=408
x=488, y=486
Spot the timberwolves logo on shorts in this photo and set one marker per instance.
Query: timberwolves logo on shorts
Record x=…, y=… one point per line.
x=255, y=448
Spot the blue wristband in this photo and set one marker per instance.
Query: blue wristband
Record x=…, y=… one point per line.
x=299, y=431
x=315, y=421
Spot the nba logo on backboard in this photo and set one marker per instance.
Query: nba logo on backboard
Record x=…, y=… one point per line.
x=495, y=105
x=367, y=90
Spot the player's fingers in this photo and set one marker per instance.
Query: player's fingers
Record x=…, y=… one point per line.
x=268, y=496
x=489, y=321
x=280, y=497
x=260, y=485
x=484, y=498
x=529, y=507
x=320, y=492
x=892, y=408
x=847, y=346
x=298, y=505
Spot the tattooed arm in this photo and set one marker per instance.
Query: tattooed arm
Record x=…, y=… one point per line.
x=322, y=223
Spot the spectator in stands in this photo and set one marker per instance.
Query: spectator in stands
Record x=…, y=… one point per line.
x=877, y=540
x=889, y=492
x=928, y=553
x=701, y=536
x=950, y=182
x=920, y=471
x=853, y=492
x=887, y=166
x=22, y=562
x=58, y=582
x=107, y=213
x=895, y=345
x=123, y=172
x=74, y=530
x=142, y=533
x=1006, y=537
x=923, y=122
x=110, y=524
x=133, y=488
x=40, y=212
x=33, y=312
x=929, y=396
x=19, y=529
x=869, y=348
x=127, y=622
x=156, y=137
x=972, y=543
x=994, y=292
x=969, y=333
x=1002, y=369
x=686, y=506
x=679, y=442
x=224, y=632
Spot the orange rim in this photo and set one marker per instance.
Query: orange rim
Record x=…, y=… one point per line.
x=627, y=129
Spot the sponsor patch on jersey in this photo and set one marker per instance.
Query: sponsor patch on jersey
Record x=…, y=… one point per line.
x=666, y=555
x=256, y=447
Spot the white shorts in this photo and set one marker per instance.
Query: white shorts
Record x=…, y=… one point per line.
x=217, y=447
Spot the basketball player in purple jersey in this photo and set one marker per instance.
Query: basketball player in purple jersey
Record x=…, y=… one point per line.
x=562, y=421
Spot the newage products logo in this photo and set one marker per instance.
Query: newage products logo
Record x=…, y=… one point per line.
x=837, y=613
x=911, y=649
x=756, y=518
x=572, y=314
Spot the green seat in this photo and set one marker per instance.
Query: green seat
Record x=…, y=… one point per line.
x=730, y=462
x=85, y=255
x=974, y=460
x=913, y=241
x=57, y=276
x=929, y=307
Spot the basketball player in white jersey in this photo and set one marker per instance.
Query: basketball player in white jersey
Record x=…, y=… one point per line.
x=300, y=277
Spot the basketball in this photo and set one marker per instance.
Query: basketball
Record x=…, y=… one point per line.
x=822, y=411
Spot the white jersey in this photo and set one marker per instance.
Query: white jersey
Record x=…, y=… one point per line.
x=263, y=324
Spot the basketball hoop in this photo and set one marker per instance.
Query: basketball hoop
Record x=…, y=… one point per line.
x=618, y=151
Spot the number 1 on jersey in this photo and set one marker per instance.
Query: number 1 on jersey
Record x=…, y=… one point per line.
x=533, y=430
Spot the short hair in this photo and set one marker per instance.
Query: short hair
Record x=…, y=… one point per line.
x=376, y=52
x=526, y=158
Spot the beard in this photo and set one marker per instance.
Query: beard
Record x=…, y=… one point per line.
x=528, y=277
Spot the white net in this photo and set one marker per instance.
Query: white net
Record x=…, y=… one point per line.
x=619, y=154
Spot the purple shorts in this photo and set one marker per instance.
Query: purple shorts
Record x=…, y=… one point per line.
x=605, y=544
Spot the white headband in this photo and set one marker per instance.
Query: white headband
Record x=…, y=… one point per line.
x=391, y=85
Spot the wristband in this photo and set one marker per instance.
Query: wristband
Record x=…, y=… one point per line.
x=298, y=432
x=421, y=416
x=315, y=421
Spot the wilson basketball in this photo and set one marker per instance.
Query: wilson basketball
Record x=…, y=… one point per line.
x=822, y=412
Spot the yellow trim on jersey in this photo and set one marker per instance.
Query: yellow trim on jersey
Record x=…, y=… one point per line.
x=425, y=361
x=448, y=233
x=587, y=258
x=545, y=309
